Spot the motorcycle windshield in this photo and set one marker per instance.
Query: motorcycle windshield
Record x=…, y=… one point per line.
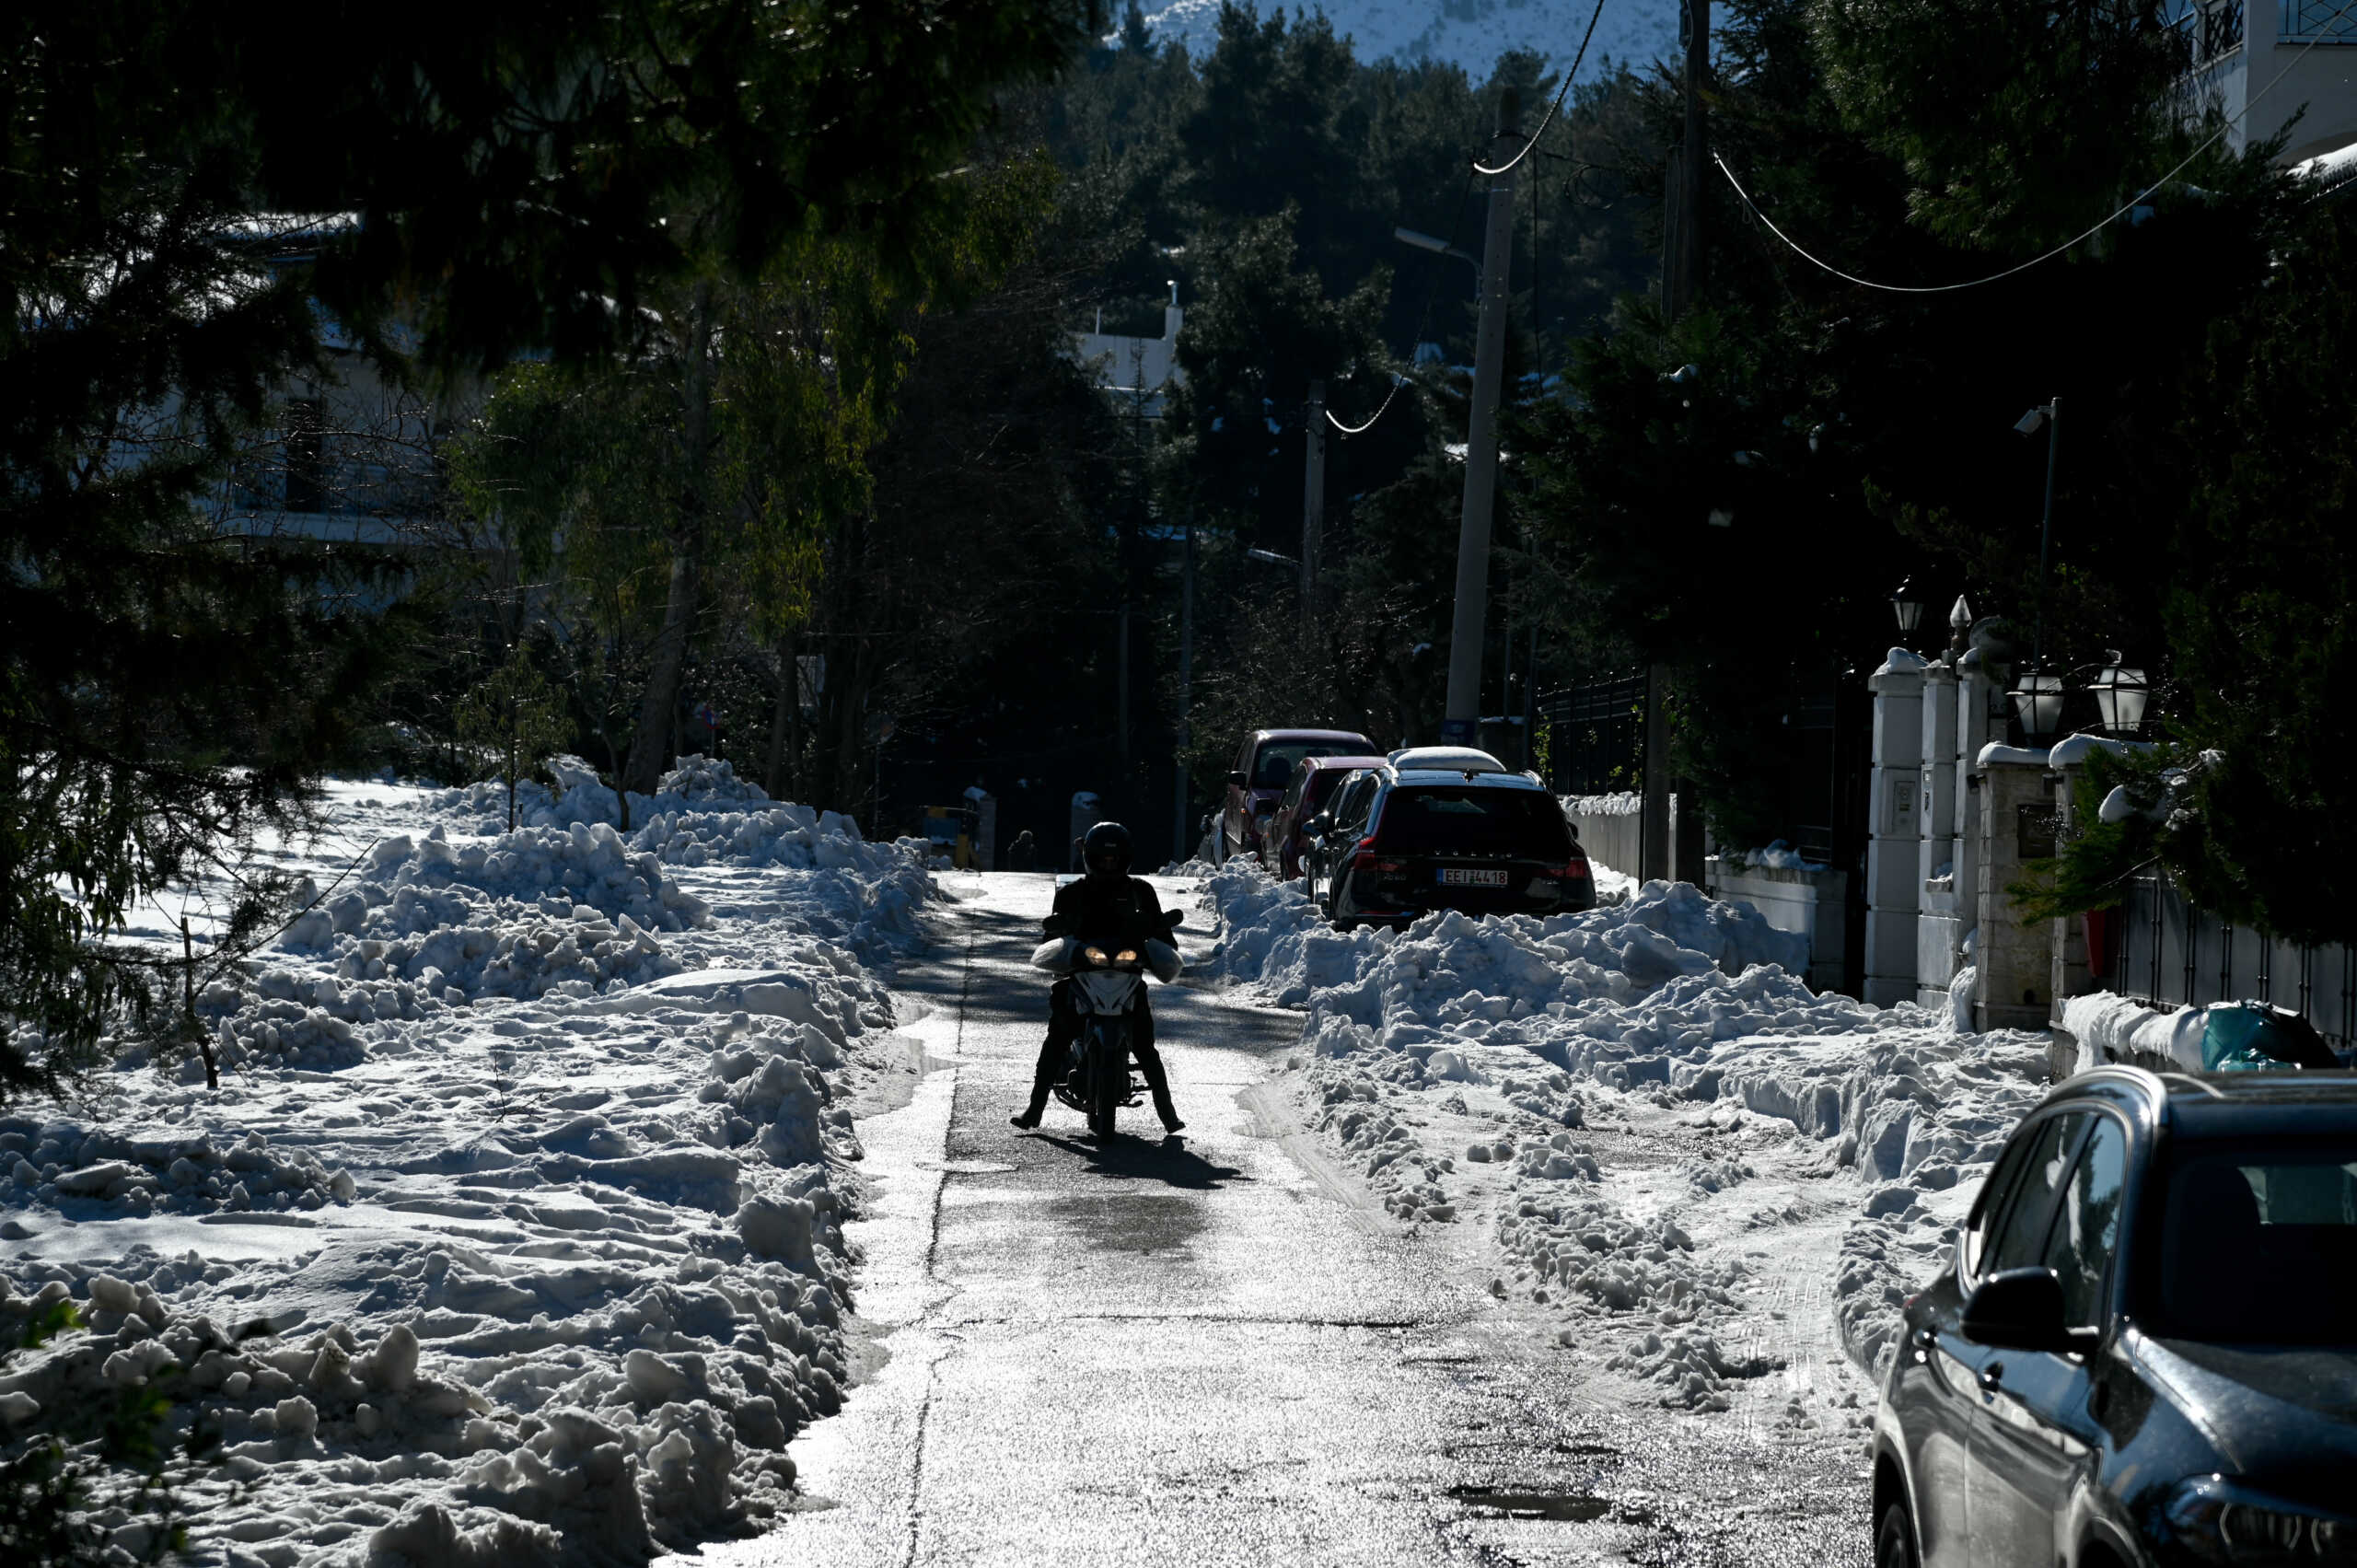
x=1105, y=991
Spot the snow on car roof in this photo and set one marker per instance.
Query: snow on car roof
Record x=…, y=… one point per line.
x=1455, y=758
x=1486, y=780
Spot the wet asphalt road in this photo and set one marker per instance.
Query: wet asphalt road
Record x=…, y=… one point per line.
x=1213, y=1349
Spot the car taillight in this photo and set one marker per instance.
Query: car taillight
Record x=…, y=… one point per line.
x=1576, y=872
x=1363, y=858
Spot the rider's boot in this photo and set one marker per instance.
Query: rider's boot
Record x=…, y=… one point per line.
x=1157, y=1083
x=1043, y=1080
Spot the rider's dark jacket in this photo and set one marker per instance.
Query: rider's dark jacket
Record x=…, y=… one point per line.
x=1099, y=907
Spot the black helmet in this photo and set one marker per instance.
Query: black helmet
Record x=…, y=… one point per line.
x=1107, y=849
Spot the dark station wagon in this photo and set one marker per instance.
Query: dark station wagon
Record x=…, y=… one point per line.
x=2143, y=1350
x=1407, y=839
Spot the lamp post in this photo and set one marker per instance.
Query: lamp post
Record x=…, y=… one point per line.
x=1906, y=608
x=2120, y=694
x=2048, y=414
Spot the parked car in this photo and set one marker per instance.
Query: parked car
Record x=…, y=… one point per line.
x=1314, y=778
x=2143, y=1349
x=1264, y=765
x=1488, y=842
x=1331, y=835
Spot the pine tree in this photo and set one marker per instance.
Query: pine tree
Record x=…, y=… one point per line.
x=168, y=686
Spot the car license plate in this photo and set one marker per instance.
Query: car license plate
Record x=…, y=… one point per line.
x=1461, y=877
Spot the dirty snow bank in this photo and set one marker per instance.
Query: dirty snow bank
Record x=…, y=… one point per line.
x=1526, y=1031
x=512, y=1233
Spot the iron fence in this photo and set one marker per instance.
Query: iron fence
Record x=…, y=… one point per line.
x=1592, y=738
x=2163, y=950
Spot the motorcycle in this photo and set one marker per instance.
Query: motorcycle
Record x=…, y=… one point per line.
x=1108, y=979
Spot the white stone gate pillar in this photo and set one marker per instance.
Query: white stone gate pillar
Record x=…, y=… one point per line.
x=1894, y=843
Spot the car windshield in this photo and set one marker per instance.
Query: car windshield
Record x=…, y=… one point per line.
x=1319, y=786
x=1274, y=768
x=1468, y=819
x=2258, y=1244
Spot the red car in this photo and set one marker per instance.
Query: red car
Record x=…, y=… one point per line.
x=1264, y=765
x=1314, y=778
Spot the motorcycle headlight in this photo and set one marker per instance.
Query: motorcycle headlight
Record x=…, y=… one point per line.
x=1126, y=956
x=1094, y=955
x=2223, y=1521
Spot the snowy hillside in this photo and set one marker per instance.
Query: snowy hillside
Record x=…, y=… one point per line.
x=1471, y=33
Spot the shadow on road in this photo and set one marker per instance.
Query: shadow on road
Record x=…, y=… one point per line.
x=1167, y=1160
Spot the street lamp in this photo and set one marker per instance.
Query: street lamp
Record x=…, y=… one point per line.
x=2038, y=704
x=2121, y=693
x=1440, y=248
x=1905, y=608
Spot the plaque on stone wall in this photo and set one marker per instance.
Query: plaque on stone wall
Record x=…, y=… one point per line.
x=2034, y=831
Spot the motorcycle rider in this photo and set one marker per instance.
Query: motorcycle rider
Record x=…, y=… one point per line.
x=1109, y=906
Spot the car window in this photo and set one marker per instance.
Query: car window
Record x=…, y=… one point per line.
x=1350, y=810
x=2258, y=1244
x=1277, y=758
x=2085, y=1232
x=1990, y=1207
x=1469, y=819
x=2019, y=1238
x=1293, y=791
x=1320, y=785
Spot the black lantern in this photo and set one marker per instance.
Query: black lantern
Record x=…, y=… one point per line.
x=1906, y=608
x=2038, y=704
x=2121, y=693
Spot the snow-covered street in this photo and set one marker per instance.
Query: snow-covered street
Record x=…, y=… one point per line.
x=565, y=1185
x=1226, y=1349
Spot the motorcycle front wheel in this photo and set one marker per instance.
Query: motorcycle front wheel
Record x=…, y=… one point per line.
x=1109, y=1072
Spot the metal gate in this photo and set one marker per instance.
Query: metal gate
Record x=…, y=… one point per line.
x=1592, y=738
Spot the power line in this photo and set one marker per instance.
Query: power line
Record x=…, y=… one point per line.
x=2131, y=205
x=1593, y=17
x=1424, y=317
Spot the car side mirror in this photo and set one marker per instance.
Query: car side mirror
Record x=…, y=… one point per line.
x=2021, y=1310
x=1235, y=779
x=1320, y=825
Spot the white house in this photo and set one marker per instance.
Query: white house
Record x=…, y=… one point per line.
x=1136, y=370
x=2239, y=47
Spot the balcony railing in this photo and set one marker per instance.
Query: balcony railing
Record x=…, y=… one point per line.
x=2214, y=28
x=2328, y=22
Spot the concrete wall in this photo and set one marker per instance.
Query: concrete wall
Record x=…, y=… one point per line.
x=1611, y=828
x=1812, y=903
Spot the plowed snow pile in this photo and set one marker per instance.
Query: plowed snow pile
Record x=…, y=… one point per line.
x=512, y=1233
x=1465, y=1065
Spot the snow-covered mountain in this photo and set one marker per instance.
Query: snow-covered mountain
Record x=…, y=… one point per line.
x=1470, y=34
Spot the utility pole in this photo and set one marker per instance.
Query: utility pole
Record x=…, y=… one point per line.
x=1460, y=722
x=2046, y=531
x=1121, y=620
x=1681, y=269
x=1681, y=261
x=1313, y=497
x=1186, y=692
